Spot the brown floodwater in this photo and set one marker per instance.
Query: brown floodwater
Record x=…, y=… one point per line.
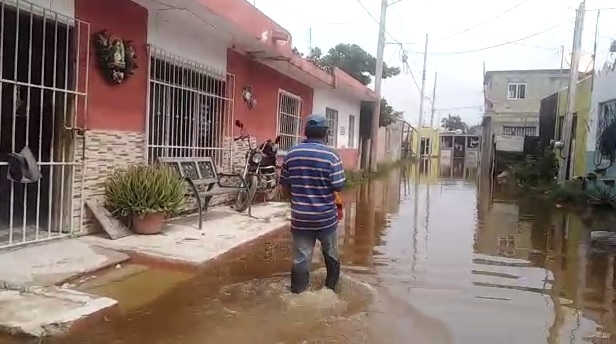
x=430, y=255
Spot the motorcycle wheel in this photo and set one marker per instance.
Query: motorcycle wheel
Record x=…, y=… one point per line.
x=244, y=198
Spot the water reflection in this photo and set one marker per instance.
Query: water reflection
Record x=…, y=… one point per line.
x=451, y=259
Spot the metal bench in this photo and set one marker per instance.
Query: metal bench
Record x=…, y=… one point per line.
x=200, y=172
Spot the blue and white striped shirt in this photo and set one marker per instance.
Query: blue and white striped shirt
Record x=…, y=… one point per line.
x=313, y=171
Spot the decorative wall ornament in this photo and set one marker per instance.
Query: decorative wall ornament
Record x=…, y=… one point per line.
x=116, y=57
x=249, y=97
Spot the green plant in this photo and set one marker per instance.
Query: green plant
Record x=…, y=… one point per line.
x=568, y=194
x=600, y=193
x=535, y=171
x=142, y=189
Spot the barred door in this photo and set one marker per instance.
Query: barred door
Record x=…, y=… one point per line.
x=191, y=108
x=43, y=56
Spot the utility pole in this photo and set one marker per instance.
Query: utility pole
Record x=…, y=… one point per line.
x=433, y=101
x=572, y=91
x=422, y=97
x=378, y=77
x=594, y=53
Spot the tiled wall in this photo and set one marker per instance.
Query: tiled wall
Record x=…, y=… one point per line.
x=107, y=150
x=104, y=151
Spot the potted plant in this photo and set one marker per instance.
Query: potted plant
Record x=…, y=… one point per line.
x=145, y=195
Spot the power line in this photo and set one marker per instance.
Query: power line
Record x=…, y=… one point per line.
x=501, y=44
x=482, y=23
x=472, y=50
x=376, y=20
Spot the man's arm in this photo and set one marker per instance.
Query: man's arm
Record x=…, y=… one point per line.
x=285, y=185
x=336, y=175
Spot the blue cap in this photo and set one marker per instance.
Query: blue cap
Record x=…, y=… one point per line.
x=317, y=121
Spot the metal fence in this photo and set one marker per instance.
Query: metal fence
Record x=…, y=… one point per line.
x=43, y=86
x=190, y=108
x=519, y=131
x=289, y=119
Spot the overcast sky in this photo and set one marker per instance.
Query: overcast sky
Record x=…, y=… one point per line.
x=459, y=75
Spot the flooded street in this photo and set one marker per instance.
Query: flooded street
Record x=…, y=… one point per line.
x=430, y=256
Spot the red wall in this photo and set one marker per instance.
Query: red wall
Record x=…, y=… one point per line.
x=349, y=158
x=261, y=120
x=123, y=106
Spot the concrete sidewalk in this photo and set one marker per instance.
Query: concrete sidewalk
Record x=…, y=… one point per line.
x=223, y=230
x=35, y=300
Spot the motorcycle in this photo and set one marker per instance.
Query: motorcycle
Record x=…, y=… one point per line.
x=260, y=169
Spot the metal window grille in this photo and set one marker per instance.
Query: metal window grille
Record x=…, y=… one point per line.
x=519, y=131
x=607, y=116
x=289, y=119
x=190, y=109
x=43, y=86
x=351, y=143
x=332, y=122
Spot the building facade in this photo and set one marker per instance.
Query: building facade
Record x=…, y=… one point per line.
x=512, y=98
x=512, y=101
x=581, y=123
x=92, y=85
x=602, y=117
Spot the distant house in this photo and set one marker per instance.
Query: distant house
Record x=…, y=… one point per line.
x=512, y=101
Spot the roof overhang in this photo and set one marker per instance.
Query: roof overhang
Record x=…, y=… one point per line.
x=257, y=35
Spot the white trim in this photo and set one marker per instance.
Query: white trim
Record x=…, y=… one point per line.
x=334, y=129
x=517, y=86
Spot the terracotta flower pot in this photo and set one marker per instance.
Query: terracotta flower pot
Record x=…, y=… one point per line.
x=148, y=224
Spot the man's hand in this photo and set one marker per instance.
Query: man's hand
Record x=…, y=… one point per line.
x=339, y=205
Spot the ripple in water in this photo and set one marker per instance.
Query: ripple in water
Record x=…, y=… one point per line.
x=266, y=310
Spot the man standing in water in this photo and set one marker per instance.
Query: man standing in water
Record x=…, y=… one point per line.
x=312, y=175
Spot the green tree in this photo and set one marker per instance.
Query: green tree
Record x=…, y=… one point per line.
x=454, y=123
x=356, y=62
x=353, y=60
x=388, y=114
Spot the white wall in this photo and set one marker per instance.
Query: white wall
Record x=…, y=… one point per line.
x=63, y=7
x=181, y=33
x=389, y=148
x=328, y=98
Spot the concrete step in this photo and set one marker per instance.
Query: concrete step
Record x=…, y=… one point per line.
x=53, y=263
x=47, y=311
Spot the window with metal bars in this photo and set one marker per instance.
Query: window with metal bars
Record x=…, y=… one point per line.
x=289, y=119
x=189, y=108
x=519, y=131
x=332, y=122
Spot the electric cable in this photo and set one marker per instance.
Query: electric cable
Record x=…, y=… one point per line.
x=481, y=23
x=500, y=44
x=376, y=20
x=472, y=50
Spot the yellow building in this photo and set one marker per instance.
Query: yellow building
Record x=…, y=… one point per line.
x=580, y=124
x=430, y=142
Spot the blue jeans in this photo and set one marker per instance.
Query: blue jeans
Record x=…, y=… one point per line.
x=303, y=248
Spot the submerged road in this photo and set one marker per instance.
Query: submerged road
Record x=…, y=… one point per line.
x=445, y=260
